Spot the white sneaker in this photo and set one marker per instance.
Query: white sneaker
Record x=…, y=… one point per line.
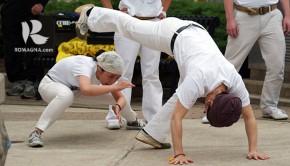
x=34, y=140
x=274, y=113
x=114, y=125
x=82, y=27
x=204, y=120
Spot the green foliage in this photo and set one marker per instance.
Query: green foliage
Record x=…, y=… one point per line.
x=188, y=7
x=55, y=6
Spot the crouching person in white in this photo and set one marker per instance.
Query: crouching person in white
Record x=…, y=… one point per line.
x=86, y=79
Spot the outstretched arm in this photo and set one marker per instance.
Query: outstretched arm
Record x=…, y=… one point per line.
x=89, y=89
x=176, y=132
x=251, y=130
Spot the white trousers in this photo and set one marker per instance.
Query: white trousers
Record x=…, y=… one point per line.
x=59, y=97
x=155, y=35
x=149, y=61
x=267, y=29
x=159, y=126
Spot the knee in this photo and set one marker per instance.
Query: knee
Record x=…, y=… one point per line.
x=276, y=70
x=67, y=97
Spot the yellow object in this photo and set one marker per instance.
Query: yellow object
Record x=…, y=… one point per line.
x=171, y=159
x=77, y=46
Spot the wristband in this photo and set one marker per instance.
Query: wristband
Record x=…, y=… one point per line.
x=179, y=155
x=164, y=13
x=172, y=158
x=118, y=106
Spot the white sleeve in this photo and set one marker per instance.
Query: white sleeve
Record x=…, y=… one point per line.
x=238, y=88
x=188, y=92
x=82, y=68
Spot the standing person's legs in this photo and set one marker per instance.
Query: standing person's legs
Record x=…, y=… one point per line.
x=128, y=50
x=238, y=48
x=274, y=57
x=18, y=63
x=152, y=88
x=13, y=60
x=34, y=72
x=11, y=15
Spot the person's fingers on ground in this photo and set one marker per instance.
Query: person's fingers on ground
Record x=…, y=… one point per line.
x=256, y=156
x=263, y=157
x=181, y=160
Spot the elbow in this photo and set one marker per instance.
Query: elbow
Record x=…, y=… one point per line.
x=176, y=117
x=85, y=91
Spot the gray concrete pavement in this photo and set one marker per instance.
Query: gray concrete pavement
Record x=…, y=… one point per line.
x=80, y=138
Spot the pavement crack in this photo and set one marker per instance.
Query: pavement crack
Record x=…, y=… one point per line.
x=126, y=154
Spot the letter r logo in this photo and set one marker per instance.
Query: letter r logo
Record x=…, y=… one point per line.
x=36, y=27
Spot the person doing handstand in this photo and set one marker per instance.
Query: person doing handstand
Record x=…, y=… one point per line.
x=203, y=72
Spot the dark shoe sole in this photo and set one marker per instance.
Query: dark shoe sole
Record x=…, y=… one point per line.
x=36, y=145
x=26, y=97
x=133, y=128
x=13, y=94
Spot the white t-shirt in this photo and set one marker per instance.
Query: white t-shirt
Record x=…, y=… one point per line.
x=202, y=68
x=68, y=69
x=255, y=3
x=142, y=8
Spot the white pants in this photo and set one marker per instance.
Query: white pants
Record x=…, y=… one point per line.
x=59, y=97
x=267, y=29
x=152, y=88
x=155, y=35
x=159, y=126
